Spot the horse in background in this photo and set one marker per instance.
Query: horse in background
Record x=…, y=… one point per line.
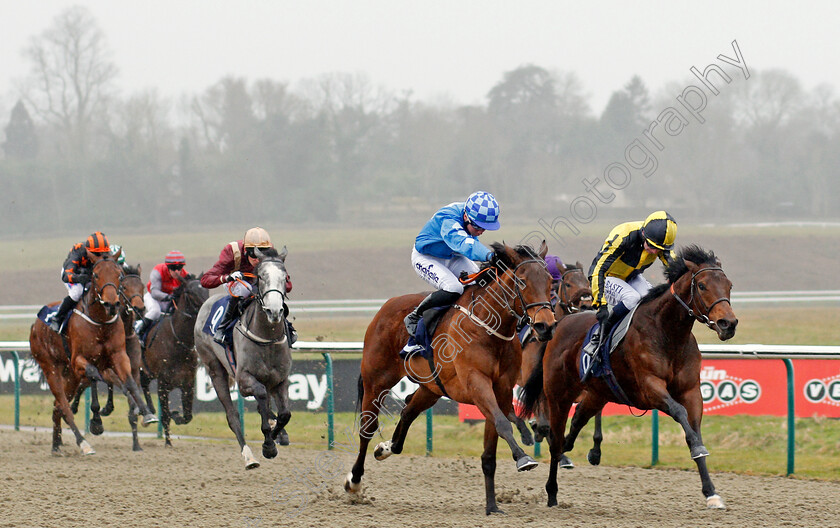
x=169, y=353
x=95, y=342
x=656, y=365
x=474, y=359
x=261, y=352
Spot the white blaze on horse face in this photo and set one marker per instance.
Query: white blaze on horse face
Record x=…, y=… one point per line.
x=274, y=282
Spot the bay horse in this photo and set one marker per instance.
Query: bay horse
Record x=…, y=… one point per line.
x=169, y=353
x=475, y=360
x=573, y=295
x=131, y=293
x=262, y=354
x=95, y=341
x=656, y=364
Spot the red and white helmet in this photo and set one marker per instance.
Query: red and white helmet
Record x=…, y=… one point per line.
x=175, y=258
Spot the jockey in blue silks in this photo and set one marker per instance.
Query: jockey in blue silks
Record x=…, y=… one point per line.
x=448, y=245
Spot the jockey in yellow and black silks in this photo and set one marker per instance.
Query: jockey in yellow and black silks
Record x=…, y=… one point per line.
x=616, y=272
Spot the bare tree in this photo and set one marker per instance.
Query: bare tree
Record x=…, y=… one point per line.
x=71, y=76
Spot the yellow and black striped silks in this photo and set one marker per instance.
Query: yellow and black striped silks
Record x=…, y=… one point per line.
x=622, y=256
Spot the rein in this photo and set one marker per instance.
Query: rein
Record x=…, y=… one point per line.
x=127, y=300
x=523, y=319
x=96, y=292
x=245, y=329
x=703, y=318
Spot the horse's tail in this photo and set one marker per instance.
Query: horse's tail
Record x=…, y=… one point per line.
x=361, y=394
x=532, y=392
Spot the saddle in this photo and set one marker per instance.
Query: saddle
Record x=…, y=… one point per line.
x=48, y=312
x=603, y=368
x=426, y=330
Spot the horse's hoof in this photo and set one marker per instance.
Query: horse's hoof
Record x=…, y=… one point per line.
x=86, y=448
x=493, y=509
x=250, y=461
x=527, y=439
x=350, y=486
x=715, y=503
x=269, y=450
x=177, y=418
x=149, y=419
x=593, y=458
x=383, y=450
x=96, y=427
x=136, y=448
x=56, y=452
x=283, y=438
x=526, y=463
x=699, y=452
x=566, y=462
x=106, y=411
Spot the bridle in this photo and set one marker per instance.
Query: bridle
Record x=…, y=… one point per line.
x=96, y=291
x=124, y=296
x=702, y=317
x=563, y=298
x=260, y=295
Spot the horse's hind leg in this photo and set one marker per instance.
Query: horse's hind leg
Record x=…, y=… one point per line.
x=132, y=421
x=372, y=399
x=219, y=377
x=122, y=367
x=62, y=409
x=165, y=413
x=588, y=407
x=145, y=382
x=419, y=401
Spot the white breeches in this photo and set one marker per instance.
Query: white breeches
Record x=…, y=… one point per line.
x=442, y=273
x=238, y=289
x=75, y=291
x=153, y=307
x=630, y=293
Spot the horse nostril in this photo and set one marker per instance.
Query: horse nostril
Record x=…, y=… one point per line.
x=723, y=324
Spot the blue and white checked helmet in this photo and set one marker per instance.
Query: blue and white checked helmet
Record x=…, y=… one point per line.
x=483, y=210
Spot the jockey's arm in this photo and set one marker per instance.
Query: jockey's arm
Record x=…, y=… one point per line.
x=155, y=287
x=454, y=235
x=216, y=275
x=611, y=251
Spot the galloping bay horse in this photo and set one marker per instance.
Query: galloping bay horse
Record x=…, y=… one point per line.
x=170, y=356
x=262, y=354
x=656, y=365
x=475, y=359
x=95, y=342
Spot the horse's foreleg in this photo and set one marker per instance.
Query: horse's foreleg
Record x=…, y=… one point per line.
x=488, y=466
x=558, y=413
x=96, y=427
x=145, y=382
x=522, y=427
x=249, y=386
x=693, y=405
x=588, y=407
x=284, y=413
x=419, y=401
x=165, y=412
x=132, y=421
x=122, y=367
x=594, y=456
x=484, y=398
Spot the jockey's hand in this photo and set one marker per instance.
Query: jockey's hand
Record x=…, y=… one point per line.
x=167, y=297
x=603, y=313
x=235, y=276
x=490, y=256
x=464, y=276
x=81, y=278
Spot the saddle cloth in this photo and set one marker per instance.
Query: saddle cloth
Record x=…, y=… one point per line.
x=426, y=330
x=48, y=312
x=217, y=313
x=609, y=345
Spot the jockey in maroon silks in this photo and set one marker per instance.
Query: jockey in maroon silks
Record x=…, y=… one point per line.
x=235, y=269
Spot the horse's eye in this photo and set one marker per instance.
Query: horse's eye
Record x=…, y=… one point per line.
x=701, y=286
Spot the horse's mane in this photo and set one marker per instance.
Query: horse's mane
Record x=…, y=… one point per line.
x=678, y=268
x=502, y=260
x=270, y=252
x=131, y=270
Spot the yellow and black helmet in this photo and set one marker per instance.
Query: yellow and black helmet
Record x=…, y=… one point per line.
x=660, y=230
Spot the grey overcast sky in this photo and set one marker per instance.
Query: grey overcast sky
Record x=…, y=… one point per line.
x=458, y=49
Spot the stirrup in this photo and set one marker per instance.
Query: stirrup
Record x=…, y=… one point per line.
x=55, y=325
x=411, y=347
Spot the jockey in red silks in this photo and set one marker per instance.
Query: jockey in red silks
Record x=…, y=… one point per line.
x=163, y=281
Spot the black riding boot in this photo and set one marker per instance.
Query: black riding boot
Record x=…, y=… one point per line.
x=66, y=305
x=617, y=314
x=433, y=300
x=233, y=312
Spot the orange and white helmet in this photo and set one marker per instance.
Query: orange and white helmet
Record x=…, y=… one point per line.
x=257, y=237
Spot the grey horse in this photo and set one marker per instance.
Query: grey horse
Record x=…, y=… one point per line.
x=262, y=353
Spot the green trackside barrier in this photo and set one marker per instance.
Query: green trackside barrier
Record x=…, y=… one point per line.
x=654, y=431
x=16, y=361
x=87, y=411
x=429, y=431
x=330, y=401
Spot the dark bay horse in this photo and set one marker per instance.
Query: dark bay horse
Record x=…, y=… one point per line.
x=262, y=351
x=475, y=359
x=170, y=355
x=656, y=365
x=96, y=342
x=573, y=295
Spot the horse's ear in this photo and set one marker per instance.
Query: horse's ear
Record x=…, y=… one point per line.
x=140, y=270
x=579, y=265
x=543, y=250
x=717, y=262
x=283, y=253
x=692, y=267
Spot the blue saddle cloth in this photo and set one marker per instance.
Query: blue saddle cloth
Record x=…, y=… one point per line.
x=426, y=331
x=217, y=313
x=603, y=368
x=47, y=313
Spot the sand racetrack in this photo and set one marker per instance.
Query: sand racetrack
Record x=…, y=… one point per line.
x=203, y=484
